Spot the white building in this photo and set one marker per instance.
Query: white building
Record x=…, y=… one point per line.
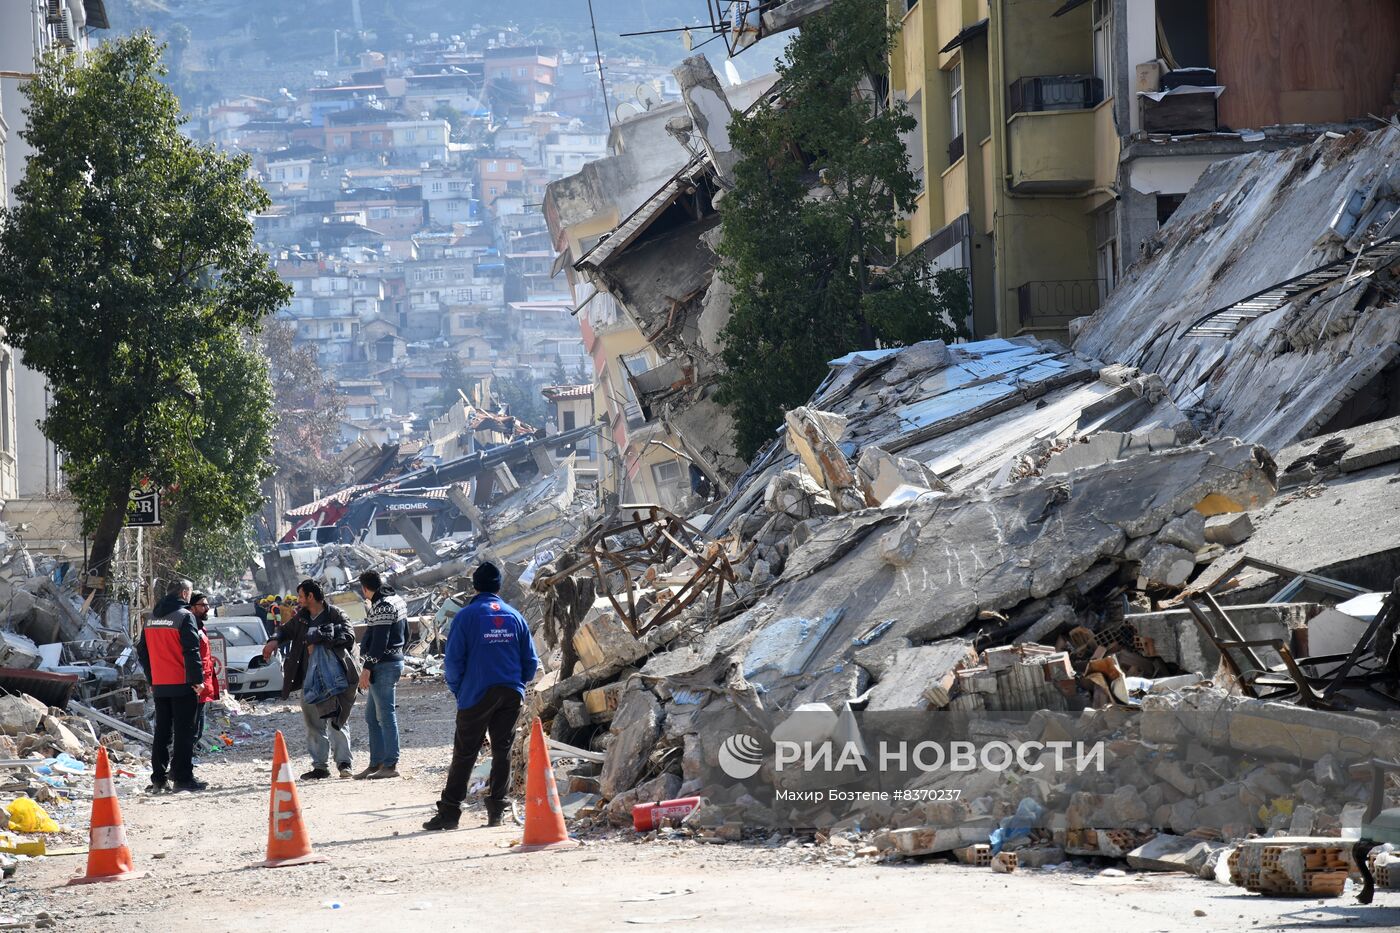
x=28, y=462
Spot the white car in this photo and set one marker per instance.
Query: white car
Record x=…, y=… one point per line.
x=248, y=674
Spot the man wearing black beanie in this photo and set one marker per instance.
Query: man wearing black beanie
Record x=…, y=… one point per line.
x=489, y=660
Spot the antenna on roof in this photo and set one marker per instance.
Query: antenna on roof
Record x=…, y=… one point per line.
x=598, y=57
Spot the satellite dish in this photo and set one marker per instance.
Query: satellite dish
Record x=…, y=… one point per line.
x=732, y=73
x=626, y=111
x=647, y=96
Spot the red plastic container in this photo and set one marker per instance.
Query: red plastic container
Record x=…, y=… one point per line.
x=648, y=816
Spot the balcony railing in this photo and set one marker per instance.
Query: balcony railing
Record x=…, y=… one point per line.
x=1051, y=305
x=1040, y=93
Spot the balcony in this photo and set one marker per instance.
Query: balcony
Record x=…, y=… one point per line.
x=1051, y=305
x=1052, y=151
x=1042, y=93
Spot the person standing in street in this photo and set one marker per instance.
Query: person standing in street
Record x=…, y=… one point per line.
x=169, y=653
x=318, y=626
x=381, y=654
x=489, y=660
x=199, y=606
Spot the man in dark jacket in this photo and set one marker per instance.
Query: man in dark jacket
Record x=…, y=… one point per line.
x=317, y=626
x=169, y=652
x=381, y=653
x=199, y=607
x=490, y=658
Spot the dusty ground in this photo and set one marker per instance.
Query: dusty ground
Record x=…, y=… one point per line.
x=385, y=873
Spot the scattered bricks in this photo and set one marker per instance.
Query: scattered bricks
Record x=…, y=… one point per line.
x=978, y=855
x=1292, y=866
x=602, y=702
x=1230, y=529
x=1004, y=863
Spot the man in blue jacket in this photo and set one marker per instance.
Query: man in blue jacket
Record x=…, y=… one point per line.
x=489, y=660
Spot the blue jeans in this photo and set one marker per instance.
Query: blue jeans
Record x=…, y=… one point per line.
x=381, y=713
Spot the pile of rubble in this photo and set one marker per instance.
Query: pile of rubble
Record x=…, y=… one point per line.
x=993, y=528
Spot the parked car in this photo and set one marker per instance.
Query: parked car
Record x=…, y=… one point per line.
x=248, y=674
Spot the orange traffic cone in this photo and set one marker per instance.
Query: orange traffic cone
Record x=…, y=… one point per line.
x=544, y=818
x=287, y=842
x=109, y=859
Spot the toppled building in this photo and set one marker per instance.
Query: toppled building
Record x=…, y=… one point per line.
x=634, y=232
x=1268, y=304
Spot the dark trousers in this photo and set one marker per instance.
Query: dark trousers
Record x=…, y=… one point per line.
x=199, y=715
x=174, y=728
x=493, y=715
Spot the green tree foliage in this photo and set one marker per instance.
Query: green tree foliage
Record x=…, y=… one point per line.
x=129, y=279
x=810, y=225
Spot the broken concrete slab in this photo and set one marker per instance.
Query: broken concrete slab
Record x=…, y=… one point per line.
x=814, y=435
x=1166, y=566
x=997, y=551
x=604, y=637
x=20, y=716
x=920, y=678
x=1173, y=853
x=880, y=474
x=795, y=493
x=1229, y=530
x=1174, y=636
x=635, y=728
x=1187, y=532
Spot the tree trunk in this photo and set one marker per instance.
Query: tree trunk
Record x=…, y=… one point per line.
x=179, y=530
x=104, y=538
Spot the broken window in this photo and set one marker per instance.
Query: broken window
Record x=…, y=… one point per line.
x=1183, y=34
x=1166, y=207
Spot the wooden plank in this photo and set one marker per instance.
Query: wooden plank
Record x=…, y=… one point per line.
x=572, y=751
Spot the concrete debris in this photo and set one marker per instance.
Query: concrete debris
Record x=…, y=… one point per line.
x=881, y=474
x=921, y=678
x=814, y=435
x=1229, y=530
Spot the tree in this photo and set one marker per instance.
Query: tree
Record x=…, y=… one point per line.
x=309, y=408
x=810, y=226
x=127, y=266
x=521, y=397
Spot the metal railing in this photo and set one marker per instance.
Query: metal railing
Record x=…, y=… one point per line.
x=1053, y=304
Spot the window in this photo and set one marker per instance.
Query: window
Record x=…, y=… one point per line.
x=376, y=139
x=459, y=275
x=1166, y=207
x=520, y=72
x=914, y=139
x=570, y=421
x=491, y=166
x=1103, y=45
x=1106, y=236
x=6, y=443
x=462, y=321
x=437, y=186
x=955, y=113
x=666, y=475
x=558, y=160
x=338, y=327
x=384, y=527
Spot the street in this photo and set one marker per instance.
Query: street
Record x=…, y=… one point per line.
x=383, y=871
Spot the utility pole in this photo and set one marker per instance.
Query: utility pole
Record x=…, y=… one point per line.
x=598, y=57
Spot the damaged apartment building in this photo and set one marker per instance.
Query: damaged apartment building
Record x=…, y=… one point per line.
x=1055, y=137
x=635, y=231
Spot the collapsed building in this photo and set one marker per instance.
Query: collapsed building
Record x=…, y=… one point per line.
x=1161, y=517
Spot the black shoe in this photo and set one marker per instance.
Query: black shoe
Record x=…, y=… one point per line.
x=494, y=811
x=158, y=787
x=315, y=774
x=446, y=818
x=190, y=787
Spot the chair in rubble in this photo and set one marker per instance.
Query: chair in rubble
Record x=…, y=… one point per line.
x=1379, y=825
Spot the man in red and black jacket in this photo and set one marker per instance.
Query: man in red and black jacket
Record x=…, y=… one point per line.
x=169, y=653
